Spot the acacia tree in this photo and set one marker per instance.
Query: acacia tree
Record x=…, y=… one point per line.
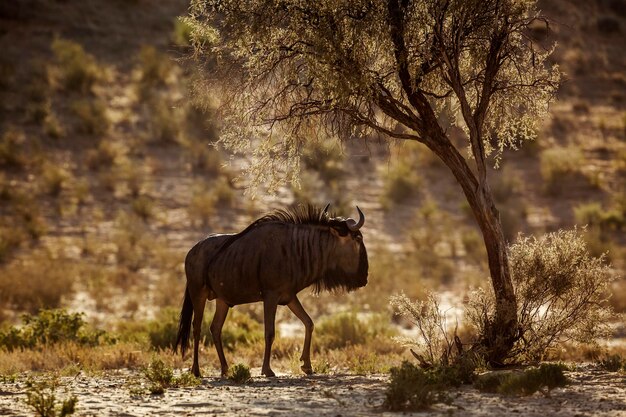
x=288, y=69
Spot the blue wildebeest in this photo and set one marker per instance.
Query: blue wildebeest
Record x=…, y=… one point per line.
x=272, y=260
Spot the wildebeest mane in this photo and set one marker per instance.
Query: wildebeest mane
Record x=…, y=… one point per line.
x=295, y=214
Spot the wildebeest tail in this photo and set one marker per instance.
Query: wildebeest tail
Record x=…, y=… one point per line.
x=184, y=325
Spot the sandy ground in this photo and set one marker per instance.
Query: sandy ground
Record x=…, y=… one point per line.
x=592, y=392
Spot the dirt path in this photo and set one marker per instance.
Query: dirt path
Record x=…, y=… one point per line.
x=591, y=393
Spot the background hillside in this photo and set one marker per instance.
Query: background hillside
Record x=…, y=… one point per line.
x=108, y=176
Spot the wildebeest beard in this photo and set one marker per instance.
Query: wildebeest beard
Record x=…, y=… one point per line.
x=336, y=280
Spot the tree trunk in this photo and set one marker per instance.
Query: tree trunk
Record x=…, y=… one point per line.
x=501, y=330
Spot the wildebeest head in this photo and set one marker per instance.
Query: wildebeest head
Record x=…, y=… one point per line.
x=349, y=266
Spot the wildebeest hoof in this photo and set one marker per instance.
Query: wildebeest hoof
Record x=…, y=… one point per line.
x=196, y=372
x=224, y=373
x=269, y=373
x=307, y=369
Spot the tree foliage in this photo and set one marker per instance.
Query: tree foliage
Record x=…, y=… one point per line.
x=358, y=67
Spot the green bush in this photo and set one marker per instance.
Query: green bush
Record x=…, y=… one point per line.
x=79, y=70
x=159, y=375
x=50, y=327
x=411, y=389
x=239, y=374
x=593, y=215
x=239, y=329
x=545, y=377
x=341, y=330
x=162, y=331
x=41, y=398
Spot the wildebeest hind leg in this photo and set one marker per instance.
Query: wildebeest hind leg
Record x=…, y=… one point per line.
x=221, y=311
x=297, y=309
x=269, y=316
x=198, y=302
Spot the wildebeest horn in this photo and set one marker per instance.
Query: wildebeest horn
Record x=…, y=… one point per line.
x=354, y=226
x=326, y=208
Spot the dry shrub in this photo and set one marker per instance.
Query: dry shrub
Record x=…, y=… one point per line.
x=39, y=281
x=165, y=120
x=12, y=149
x=52, y=126
x=347, y=329
x=239, y=374
x=559, y=163
x=436, y=344
x=53, y=178
x=66, y=356
x=205, y=158
x=107, y=154
x=561, y=294
x=432, y=244
x=402, y=181
x=324, y=157
x=79, y=70
x=594, y=215
x=207, y=199
x=155, y=69
x=133, y=240
x=92, y=116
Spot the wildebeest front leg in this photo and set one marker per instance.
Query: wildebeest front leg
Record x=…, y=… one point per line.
x=221, y=311
x=299, y=311
x=269, y=317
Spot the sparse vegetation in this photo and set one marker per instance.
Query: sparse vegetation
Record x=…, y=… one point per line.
x=346, y=329
x=544, y=379
x=324, y=157
x=412, y=389
x=50, y=279
x=51, y=327
x=559, y=163
x=613, y=363
x=79, y=70
x=92, y=116
x=402, y=181
x=12, y=152
x=160, y=377
x=41, y=397
x=436, y=345
x=143, y=206
x=239, y=374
